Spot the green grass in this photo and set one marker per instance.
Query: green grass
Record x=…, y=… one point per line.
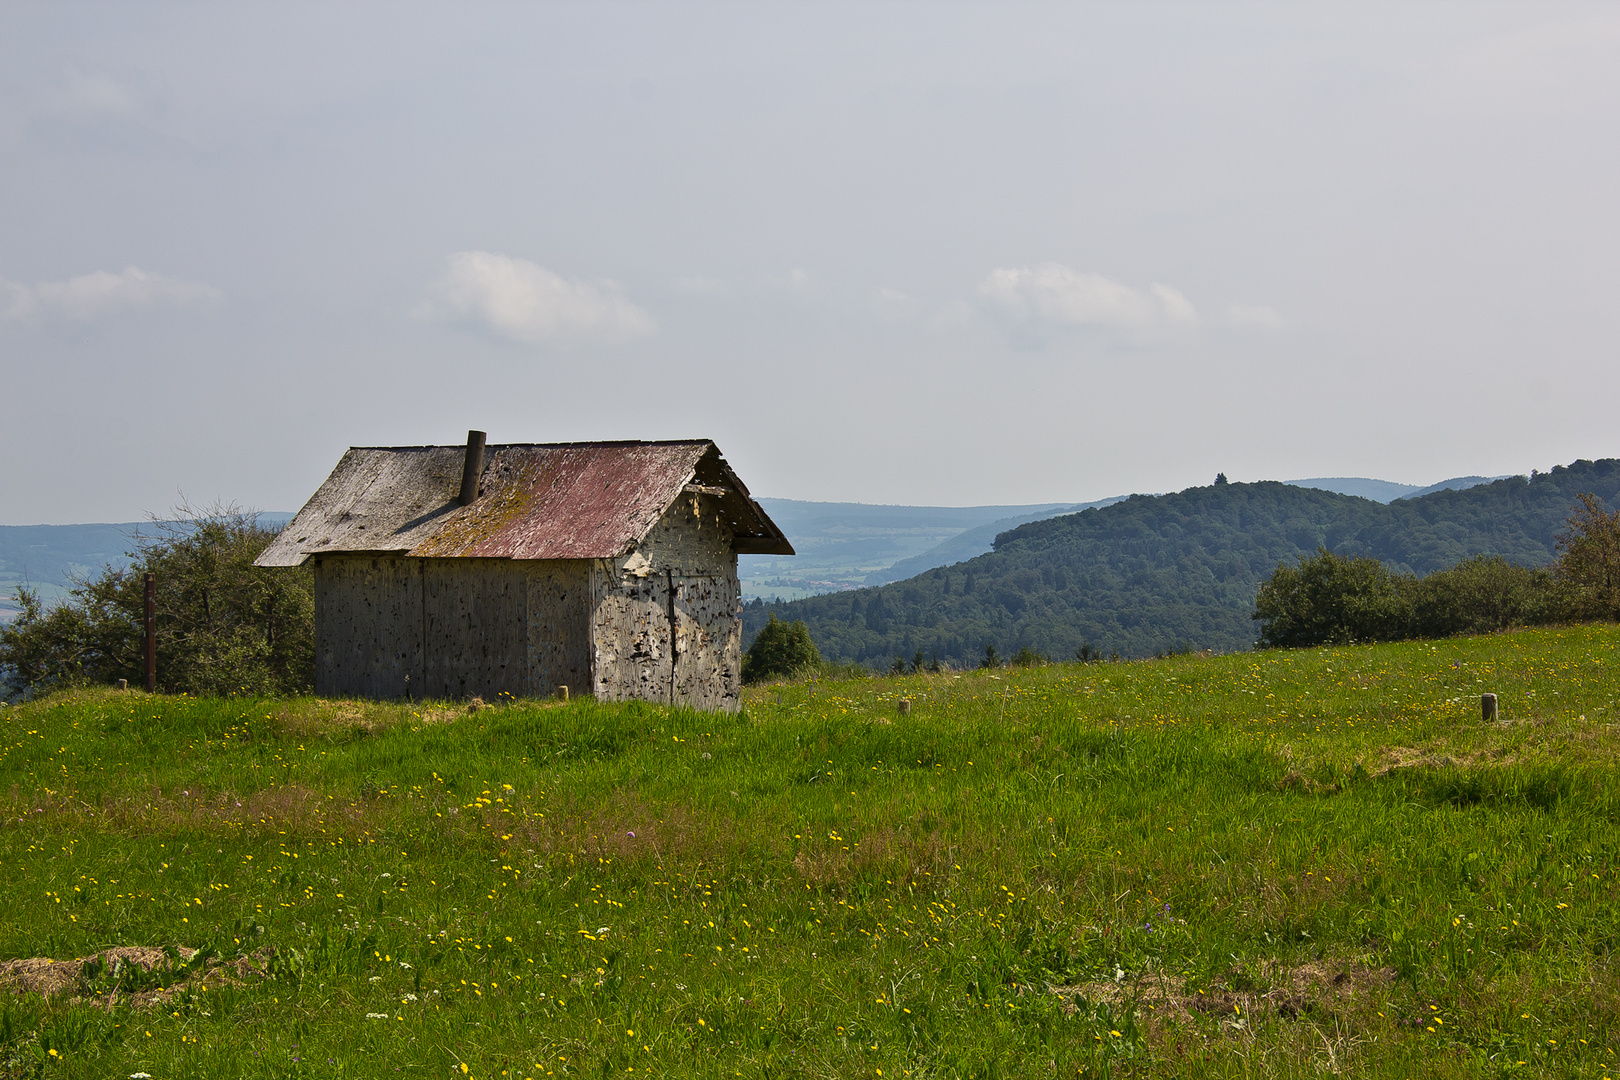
x=1267, y=864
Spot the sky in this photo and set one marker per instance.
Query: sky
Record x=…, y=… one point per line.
x=936, y=253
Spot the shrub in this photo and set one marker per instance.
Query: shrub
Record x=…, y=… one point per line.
x=1329, y=599
x=223, y=624
x=1479, y=595
x=780, y=649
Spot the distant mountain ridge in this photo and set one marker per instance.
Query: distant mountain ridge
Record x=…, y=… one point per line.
x=841, y=545
x=48, y=557
x=1385, y=491
x=972, y=542
x=1152, y=573
x=844, y=546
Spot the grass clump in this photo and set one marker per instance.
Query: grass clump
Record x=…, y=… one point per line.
x=1262, y=864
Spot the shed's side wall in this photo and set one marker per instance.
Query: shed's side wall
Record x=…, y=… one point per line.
x=559, y=626
x=458, y=627
x=368, y=626
x=685, y=568
x=475, y=616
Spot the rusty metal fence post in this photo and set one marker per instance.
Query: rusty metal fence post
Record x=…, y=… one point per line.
x=151, y=633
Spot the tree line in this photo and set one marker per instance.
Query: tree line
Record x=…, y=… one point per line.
x=1331, y=599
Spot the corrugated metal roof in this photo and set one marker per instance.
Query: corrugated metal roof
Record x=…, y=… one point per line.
x=535, y=501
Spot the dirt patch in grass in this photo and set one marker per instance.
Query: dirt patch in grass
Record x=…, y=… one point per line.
x=1317, y=988
x=128, y=974
x=1411, y=757
x=310, y=716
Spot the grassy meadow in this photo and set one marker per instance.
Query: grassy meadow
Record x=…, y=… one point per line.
x=1264, y=864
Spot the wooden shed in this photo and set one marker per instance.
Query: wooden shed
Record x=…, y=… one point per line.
x=454, y=572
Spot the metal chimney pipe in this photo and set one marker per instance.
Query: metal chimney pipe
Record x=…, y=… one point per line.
x=473, y=469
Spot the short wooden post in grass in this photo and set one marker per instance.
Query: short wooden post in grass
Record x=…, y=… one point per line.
x=123, y=684
x=562, y=693
x=905, y=706
x=1487, y=707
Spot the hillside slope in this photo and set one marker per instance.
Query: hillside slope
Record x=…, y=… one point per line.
x=840, y=544
x=972, y=542
x=1154, y=573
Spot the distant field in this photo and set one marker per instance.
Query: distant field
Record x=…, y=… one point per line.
x=1267, y=864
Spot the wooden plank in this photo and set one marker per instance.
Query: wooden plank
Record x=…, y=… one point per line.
x=708, y=642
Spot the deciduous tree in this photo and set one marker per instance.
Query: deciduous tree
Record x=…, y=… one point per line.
x=1589, y=559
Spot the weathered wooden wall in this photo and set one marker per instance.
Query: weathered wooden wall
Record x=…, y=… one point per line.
x=665, y=623
x=459, y=628
x=559, y=626
x=475, y=615
x=368, y=625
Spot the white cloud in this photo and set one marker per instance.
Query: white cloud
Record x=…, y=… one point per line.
x=526, y=302
x=1053, y=293
x=1254, y=316
x=1177, y=308
x=92, y=296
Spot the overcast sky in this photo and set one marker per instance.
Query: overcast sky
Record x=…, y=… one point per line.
x=933, y=253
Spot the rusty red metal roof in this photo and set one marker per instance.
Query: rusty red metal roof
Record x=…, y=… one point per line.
x=535, y=501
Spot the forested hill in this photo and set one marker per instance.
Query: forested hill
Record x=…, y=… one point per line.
x=1154, y=573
